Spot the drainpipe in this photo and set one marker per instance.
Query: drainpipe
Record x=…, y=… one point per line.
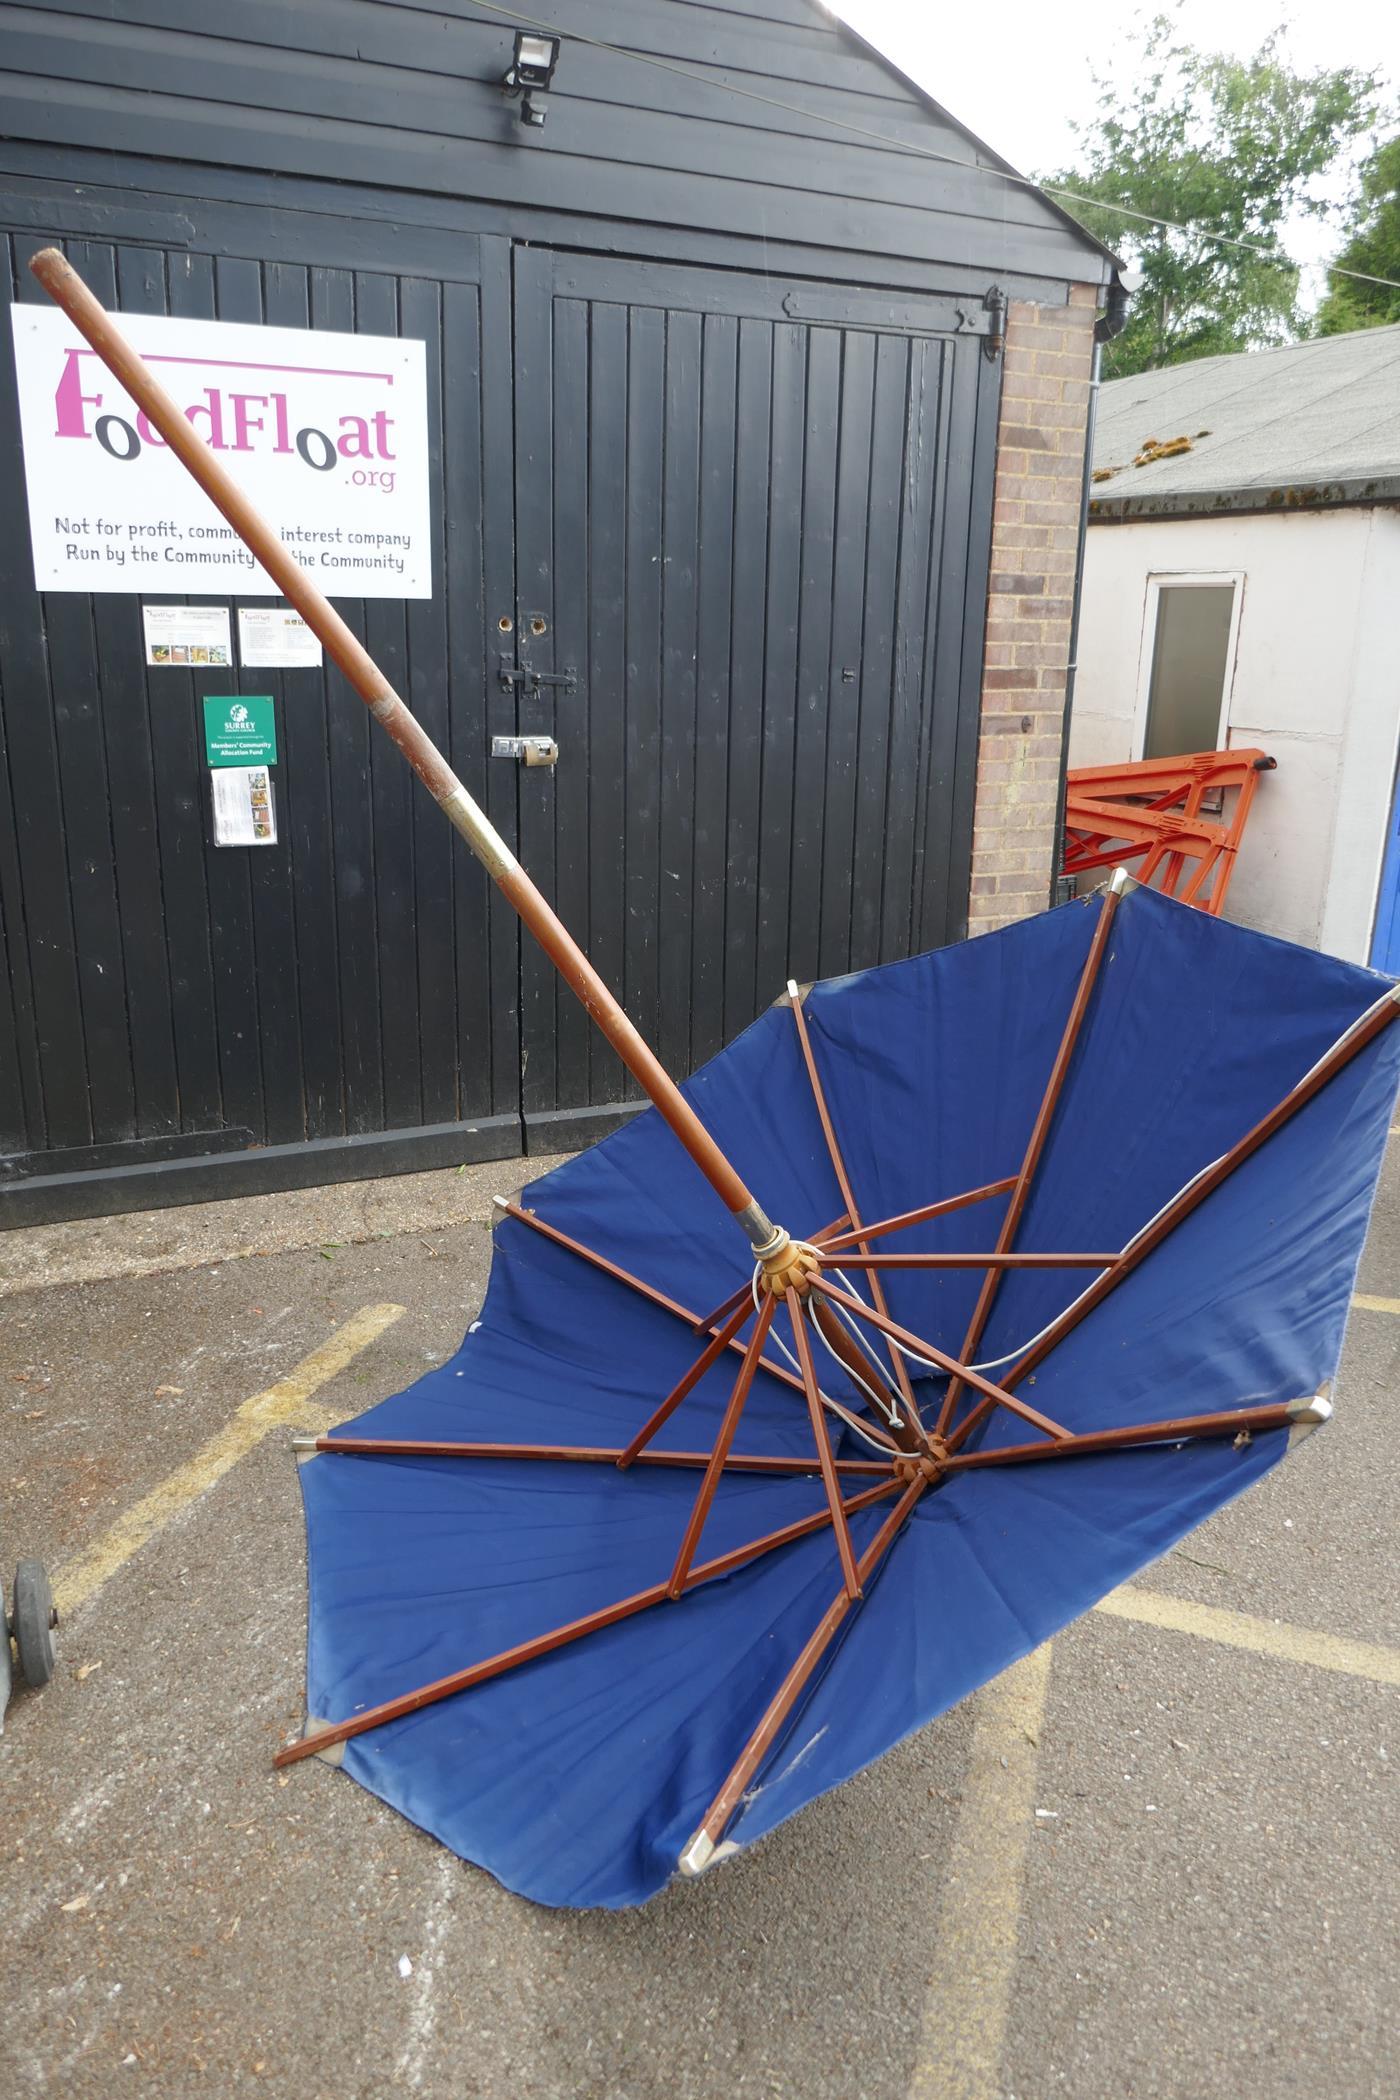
x=1109, y=324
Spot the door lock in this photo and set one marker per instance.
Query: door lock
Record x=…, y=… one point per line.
x=528, y=750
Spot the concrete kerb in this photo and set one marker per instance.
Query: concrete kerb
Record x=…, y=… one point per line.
x=153, y=1242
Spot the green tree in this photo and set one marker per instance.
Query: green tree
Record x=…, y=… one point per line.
x=1373, y=247
x=1220, y=146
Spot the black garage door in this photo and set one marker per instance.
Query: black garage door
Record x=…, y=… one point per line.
x=723, y=538
x=746, y=514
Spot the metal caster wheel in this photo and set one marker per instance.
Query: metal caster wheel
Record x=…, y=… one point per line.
x=32, y=1623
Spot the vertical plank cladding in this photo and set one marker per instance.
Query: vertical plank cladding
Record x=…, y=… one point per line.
x=682, y=731
x=782, y=612
x=176, y=756
x=124, y=727
x=685, y=102
x=603, y=665
x=234, y=293
x=820, y=738
x=884, y=510
x=420, y=316
x=714, y=651
x=749, y=514
x=39, y=908
x=95, y=905
x=395, y=799
x=350, y=981
x=304, y=816
x=565, y=792
x=641, y=694
x=845, y=694
x=747, y=654
x=274, y=877
x=351, y=735
x=21, y=1083
x=481, y=574
x=532, y=605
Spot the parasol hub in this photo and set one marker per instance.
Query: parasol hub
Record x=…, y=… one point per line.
x=926, y=1465
x=787, y=1264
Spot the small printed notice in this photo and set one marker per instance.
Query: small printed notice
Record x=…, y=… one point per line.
x=274, y=637
x=239, y=730
x=187, y=634
x=244, y=814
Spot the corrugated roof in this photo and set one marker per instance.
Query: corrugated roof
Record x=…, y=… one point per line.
x=1305, y=427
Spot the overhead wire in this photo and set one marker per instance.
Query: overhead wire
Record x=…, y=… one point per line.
x=709, y=78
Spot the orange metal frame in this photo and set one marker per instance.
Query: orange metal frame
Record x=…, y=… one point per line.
x=1149, y=817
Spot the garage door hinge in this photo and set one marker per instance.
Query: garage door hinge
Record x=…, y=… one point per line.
x=988, y=321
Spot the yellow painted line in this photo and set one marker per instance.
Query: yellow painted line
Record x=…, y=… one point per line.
x=969, y=1995
x=1272, y=1637
x=1368, y=1304
x=281, y=1404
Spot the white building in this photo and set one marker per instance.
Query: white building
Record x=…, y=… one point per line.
x=1245, y=589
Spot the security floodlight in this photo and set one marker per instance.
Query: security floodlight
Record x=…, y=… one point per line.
x=531, y=71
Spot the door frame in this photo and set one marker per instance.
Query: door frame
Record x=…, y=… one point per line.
x=1385, y=930
x=1159, y=580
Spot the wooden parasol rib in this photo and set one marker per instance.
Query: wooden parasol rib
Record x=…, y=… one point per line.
x=1040, y=1131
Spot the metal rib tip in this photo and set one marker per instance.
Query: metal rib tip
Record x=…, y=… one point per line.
x=1121, y=882
x=334, y=1753
x=697, y=1854
x=304, y=1443
x=500, y=1202
x=1310, y=1413
x=792, y=991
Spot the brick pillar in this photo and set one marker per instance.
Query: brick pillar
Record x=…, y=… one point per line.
x=1035, y=538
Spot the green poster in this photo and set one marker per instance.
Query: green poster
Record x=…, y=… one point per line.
x=239, y=730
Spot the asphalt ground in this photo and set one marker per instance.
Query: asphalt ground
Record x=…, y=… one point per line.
x=1158, y=1859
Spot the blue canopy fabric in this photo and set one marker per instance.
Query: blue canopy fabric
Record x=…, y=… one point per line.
x=579, y=1778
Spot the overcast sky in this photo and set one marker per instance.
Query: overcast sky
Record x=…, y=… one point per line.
x=1017, y=72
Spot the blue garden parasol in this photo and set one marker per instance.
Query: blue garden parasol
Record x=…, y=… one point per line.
x=1219, y=1111
x=1070, y=1219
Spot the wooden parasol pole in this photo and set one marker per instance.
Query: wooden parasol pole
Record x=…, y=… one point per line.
x=63, y=284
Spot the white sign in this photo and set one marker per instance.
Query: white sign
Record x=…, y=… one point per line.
x=273, y=636
x=186, y=634
x=328, y=434
x=244, y=811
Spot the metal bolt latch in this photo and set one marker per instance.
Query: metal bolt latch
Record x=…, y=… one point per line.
x=532, y=750
x=532, y=681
